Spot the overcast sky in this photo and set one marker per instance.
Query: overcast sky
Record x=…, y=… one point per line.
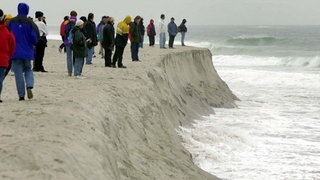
x=197, y=12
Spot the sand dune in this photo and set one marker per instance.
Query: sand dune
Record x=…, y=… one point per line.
x=115, y=123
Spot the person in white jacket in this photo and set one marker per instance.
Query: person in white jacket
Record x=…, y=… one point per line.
x=42, y=43
x=162, y=32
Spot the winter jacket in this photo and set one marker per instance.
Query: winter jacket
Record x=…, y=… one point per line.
x=142, y=28
x=62, y=30
x=151, y=30
x=91, y=33
x=172, y=29
x=183, y=26
x=26, y=33
x=79, y=44
x=122, y=32
x=135, y=33
x=108, y=36
x=7, y=45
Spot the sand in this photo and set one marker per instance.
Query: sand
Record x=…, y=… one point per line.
x=115, y=123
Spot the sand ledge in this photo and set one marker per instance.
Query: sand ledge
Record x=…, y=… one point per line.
x=116, y=123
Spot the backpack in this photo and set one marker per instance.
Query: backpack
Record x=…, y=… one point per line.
x=180, y=29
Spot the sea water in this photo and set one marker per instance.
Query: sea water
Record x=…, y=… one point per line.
x=274, y=133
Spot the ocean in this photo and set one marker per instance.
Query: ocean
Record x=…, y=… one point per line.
x=274, y=133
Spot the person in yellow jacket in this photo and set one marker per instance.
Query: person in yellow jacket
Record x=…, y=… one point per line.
x=121, y=41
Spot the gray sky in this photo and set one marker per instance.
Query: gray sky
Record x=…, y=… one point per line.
x=197, y=12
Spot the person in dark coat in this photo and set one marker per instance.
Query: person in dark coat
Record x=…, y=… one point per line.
x=79, y=46
x=135, y=38
x=151, y=32
x=91, y=35
x=108, y=41
x=183, y=29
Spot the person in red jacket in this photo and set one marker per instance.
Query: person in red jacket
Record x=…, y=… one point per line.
x=7, y=48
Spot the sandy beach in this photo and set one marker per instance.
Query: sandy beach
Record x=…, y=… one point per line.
x=114, y=124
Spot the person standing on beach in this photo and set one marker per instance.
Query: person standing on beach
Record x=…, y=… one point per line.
x=63, y=33
x=7, y=48
x=42, y=43
x=142, y=32
x=99, y=30
x=68, y=40
x=108, y=41
x=162, y=32
x=92, y=39
x=121, y=41
x=183, y=29
x=27, y=35
x=7, y=19
x=80, y=50
x=173, y=31
x=135, y=38
x=151, y=32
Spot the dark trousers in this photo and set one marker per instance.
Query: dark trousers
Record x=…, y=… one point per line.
x=38, y=61
x=151, y=40
x=107, y=57
x=117, y=57
x=171, y=40
x=62, y=46
x=134, y=51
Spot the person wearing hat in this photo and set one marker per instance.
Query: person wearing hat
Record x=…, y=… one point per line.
x=121, y=41
x=42, y=43
x=7, y=48
x=183, y=29
x=79, y=45
x=100, y=26
x=27, y=35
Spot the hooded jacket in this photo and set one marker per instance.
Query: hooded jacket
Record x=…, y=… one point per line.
x=26, y=34
x=122, y=32
x=7, y=44
x=151, y=30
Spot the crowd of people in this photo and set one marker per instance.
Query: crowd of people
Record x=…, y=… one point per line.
x=80, y=36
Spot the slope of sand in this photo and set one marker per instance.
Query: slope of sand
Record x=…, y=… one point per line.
x=116, y=123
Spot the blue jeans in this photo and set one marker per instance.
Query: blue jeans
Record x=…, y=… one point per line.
x=78, y=65
x=69, y=58
x=183, y=34
x=162, y=40
x=23, y=75
x=2, y=71
x=90, y=55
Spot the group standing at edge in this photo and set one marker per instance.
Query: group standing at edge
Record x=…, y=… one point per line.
x=19, y=46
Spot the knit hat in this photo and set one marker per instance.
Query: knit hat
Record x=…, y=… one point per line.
x=39, y=14
x=79, y=22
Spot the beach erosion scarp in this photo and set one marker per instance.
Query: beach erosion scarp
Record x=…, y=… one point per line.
x=114, y=124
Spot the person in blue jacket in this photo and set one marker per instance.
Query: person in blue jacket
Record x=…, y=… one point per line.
x=173, y=31
x=27, y=35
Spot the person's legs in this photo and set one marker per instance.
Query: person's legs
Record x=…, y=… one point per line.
x=183, y=34
x=8, y=69
x=69, y=59
x=152, y=40
x=121, y=50
x=115, y=56
x=2, y=72
x=107, y=57
x=90, y=55
x=17, y=67
x=137, y=52
x=162, y=40
x=77, y=66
